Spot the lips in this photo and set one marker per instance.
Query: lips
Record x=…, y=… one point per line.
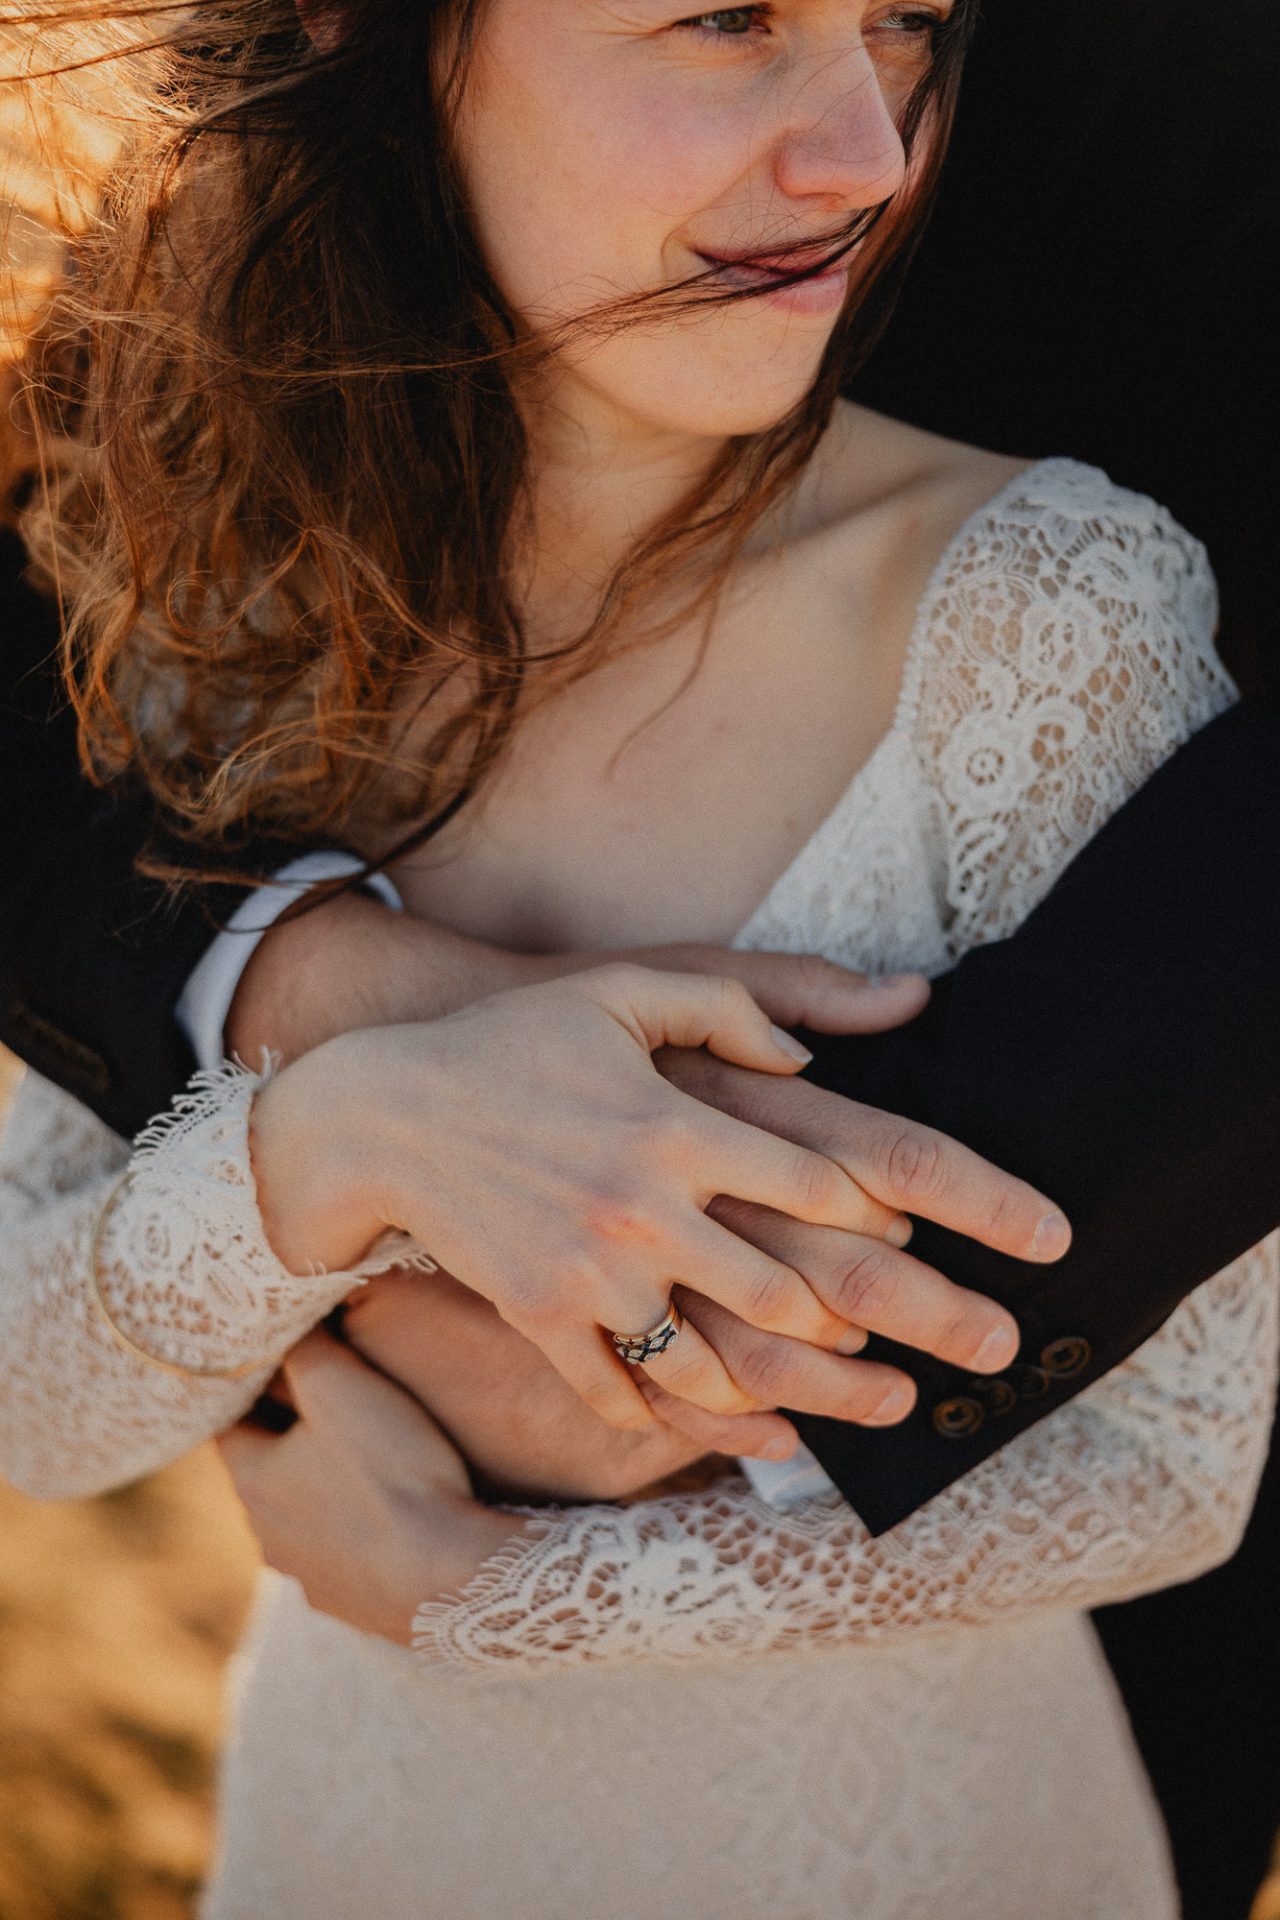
x=771, y=269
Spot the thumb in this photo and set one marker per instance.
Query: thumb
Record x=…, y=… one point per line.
x=696, y=1010
x=804, y=990
x=325, y=1375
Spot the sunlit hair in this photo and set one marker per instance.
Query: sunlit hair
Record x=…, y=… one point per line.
x=283, y=474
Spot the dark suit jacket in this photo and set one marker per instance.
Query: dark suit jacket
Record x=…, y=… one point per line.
x=1121, y=1051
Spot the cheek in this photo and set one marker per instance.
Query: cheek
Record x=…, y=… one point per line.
x=580, y=192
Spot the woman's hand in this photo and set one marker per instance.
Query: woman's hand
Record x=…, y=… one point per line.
x=363, y=1500
x=530, y=1144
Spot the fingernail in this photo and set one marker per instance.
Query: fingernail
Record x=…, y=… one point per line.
x=892, y=1408
x=1052, y=1236
x=892, y=979
x=996, y=1351
x=852, y=1342
x=790, y=1045
x=899, y=1231
x=779, y=1449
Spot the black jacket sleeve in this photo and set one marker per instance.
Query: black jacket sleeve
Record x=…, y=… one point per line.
x=1122, y=1052
x=93, y=958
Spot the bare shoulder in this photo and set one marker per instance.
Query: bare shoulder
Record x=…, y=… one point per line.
x=881, y=477
x=881, y=505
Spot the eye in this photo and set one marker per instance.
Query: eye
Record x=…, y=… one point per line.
x=908, y=23
x=728, y=23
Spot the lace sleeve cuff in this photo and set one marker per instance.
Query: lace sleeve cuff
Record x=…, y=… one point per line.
x=183, y=1268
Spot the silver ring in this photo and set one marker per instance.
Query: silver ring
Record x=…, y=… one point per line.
x=636, y=1348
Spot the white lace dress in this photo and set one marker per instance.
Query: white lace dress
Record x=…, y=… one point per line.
x=704, y=1707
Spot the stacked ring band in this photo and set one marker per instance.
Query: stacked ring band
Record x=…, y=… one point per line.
x=636, y=1348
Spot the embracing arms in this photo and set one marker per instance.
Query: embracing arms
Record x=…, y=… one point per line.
x=1182, y=1014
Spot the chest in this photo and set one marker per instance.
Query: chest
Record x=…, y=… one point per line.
x=659, y=798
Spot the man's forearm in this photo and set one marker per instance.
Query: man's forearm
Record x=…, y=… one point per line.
x=1122, y=1052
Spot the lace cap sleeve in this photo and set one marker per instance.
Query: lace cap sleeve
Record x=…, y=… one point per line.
x=1066, y=650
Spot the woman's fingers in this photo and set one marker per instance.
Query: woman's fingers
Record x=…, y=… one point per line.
x=586, y=1361
x=875, y=1286
x=695, y=1010
x=691, y=1369
x=775, y=1372
x=804, y=990
x=753, y=1282
x=749, y=1164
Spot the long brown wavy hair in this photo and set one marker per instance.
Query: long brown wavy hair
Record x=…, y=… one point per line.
x=283, y=472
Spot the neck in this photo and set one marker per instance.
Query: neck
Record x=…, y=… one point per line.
x=601, y=482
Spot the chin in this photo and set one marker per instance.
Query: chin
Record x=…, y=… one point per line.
x=710, y=405
x=735, y=417
x=739, y=386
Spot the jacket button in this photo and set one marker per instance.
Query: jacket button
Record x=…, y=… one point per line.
x=1066, y=1357
x=953, y=1419
x=1029, y=1383
x=995, y=1394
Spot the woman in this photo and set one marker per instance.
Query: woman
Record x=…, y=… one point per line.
x=647, y=241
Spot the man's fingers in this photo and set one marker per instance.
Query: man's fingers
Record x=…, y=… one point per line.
x=913, y=1168
x=905, y=1166
x=776, y=1372
x=759, y=1436
x=865, y=1283
x=322, y=1375
x=596, y=1374
x=245, y=1451
x=754, y=1283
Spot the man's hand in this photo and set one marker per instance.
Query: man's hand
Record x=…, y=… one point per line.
x=524, y=1433
x=363, y=1501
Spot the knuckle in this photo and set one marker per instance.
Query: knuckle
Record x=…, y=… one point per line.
x=763, y=1370
x=914, y=1162
x=770, y=1297
x=735, y=997
x=866, y=1287
x=816, y=1182
x=616, y=1212
x=1006, y=1215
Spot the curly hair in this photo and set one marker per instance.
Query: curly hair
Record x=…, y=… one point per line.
x=283, y=473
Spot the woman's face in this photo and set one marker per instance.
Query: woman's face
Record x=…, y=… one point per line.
x=611, y=147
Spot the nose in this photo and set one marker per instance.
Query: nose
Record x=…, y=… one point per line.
x=840, y=144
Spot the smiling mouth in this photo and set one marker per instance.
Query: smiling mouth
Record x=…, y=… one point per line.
x=757, y=271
